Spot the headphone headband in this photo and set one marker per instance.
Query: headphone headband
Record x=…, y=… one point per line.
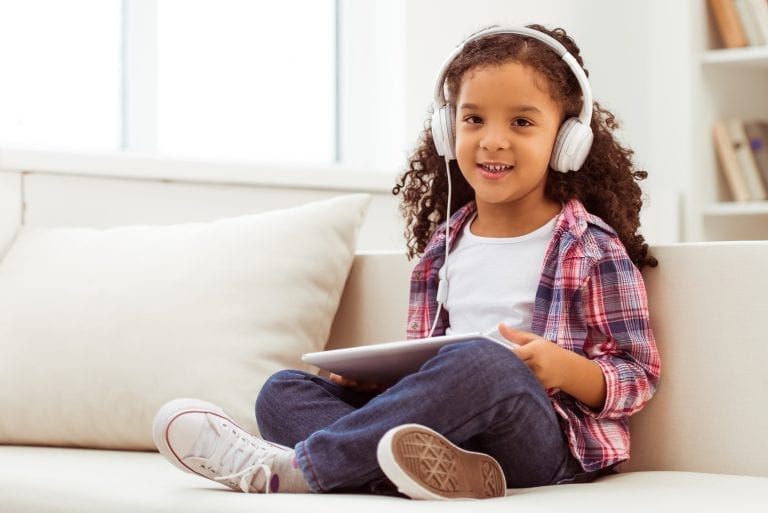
x=585, y=115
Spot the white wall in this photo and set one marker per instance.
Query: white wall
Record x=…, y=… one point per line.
x=638, y=55
x=100, y=191
x=60, y=200
x=633, y=50
x=10, y=208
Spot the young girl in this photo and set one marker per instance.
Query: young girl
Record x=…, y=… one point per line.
x=543, y=244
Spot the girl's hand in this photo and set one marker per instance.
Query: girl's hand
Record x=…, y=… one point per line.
x=368, y=388
x=559, y=368
x=547, y=360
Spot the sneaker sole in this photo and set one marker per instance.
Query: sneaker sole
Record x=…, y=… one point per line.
x=165, y=417
x=425, y=465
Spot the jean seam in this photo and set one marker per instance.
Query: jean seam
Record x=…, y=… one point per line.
x=301, y=447
x=302, y=453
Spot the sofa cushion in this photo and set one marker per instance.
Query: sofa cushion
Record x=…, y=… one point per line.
x=56, y=480
x=98, y=328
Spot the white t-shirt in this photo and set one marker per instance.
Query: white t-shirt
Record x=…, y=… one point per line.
x=493, y=280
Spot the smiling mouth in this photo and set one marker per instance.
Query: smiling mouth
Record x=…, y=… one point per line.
x=496, y=168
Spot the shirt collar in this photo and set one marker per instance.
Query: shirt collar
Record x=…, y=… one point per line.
x=574, y=219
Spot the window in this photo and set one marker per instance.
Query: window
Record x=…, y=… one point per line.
x=236, y=80
x=232, y=79
x=60, y=82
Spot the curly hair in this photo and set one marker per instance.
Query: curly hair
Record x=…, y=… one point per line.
x=606, y=183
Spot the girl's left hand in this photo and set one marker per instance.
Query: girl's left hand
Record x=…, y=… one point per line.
x=547, y=360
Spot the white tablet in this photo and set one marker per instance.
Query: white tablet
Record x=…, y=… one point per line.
x=388, y=362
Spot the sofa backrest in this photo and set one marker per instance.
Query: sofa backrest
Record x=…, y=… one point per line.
x=708, y=302
x=709, y=306
x=374, y=305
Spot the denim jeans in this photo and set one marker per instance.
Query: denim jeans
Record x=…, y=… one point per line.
x=477, y=394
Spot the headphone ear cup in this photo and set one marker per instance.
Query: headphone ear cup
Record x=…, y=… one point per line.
x=572, y=146
x=444, y=131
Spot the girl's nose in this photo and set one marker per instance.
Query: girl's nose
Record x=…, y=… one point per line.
x=494, y=139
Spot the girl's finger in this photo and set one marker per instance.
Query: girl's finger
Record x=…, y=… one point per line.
x=517, y=336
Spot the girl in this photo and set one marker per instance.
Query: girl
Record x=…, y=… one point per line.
x=551, y=257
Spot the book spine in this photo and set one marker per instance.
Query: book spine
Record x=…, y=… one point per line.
x=729, y=164
x=757, y=132
x=728, y=23
x=746, y=159
x=749, y=22
x=760, y=10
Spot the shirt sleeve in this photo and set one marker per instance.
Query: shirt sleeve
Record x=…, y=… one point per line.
x=422, y=303
x=418, y=305
x=619, y=337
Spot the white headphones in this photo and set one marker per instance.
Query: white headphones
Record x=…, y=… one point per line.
x=574, y=139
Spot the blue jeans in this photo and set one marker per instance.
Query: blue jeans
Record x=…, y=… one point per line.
x=477, y=394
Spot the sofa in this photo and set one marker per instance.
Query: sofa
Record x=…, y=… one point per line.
x=100, y=327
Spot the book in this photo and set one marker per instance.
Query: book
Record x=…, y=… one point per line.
x=746, y=159
x=757, y=133
x=728, y=23
x=729, y=164
x=749, y=22
x=760, y=11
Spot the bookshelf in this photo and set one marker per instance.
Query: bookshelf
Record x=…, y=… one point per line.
x=734, y=209
x=730, y=83
x=747, y=56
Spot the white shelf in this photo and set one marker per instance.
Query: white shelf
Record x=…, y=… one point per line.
x=747, y=56
x=733, y=208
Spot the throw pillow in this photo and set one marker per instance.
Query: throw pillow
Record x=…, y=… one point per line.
x=98, y=328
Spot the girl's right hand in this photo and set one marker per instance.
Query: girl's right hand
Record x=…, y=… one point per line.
x=368, y=388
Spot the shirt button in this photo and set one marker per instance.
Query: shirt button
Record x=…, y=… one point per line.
x=415, y=325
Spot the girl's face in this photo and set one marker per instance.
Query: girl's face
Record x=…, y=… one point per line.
x=505, y=131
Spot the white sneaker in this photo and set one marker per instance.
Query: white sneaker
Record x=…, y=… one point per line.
x=198, y=437
x=424, y=465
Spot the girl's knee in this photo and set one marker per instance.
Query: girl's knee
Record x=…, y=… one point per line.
x=490, y=363
x=483, y=354
x=272, y=398
x=276, y=385
x=285, y=377
x=282, y=376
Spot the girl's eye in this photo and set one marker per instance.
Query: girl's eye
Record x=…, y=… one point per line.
x=473, y=120
x=521, y=122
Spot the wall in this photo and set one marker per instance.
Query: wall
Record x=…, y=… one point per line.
x=10, y=208
x=70, y=200
x=100, y=191
x=636, y=68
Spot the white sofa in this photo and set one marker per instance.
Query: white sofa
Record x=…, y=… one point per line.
x=700, y=445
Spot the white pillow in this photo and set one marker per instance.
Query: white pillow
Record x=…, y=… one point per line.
x=98, y=328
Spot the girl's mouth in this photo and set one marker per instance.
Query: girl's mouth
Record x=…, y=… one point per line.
x=494, y=171
x=496, y=168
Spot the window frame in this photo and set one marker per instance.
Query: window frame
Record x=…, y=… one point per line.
x=366, y=129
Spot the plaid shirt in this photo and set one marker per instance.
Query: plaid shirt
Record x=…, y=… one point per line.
x=591, y=300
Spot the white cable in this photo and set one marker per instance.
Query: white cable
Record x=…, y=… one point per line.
x=442, y=286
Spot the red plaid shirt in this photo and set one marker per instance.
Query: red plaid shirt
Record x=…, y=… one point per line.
x=591, y=300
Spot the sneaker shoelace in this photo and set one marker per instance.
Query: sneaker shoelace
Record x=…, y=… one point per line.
x=242, y=460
